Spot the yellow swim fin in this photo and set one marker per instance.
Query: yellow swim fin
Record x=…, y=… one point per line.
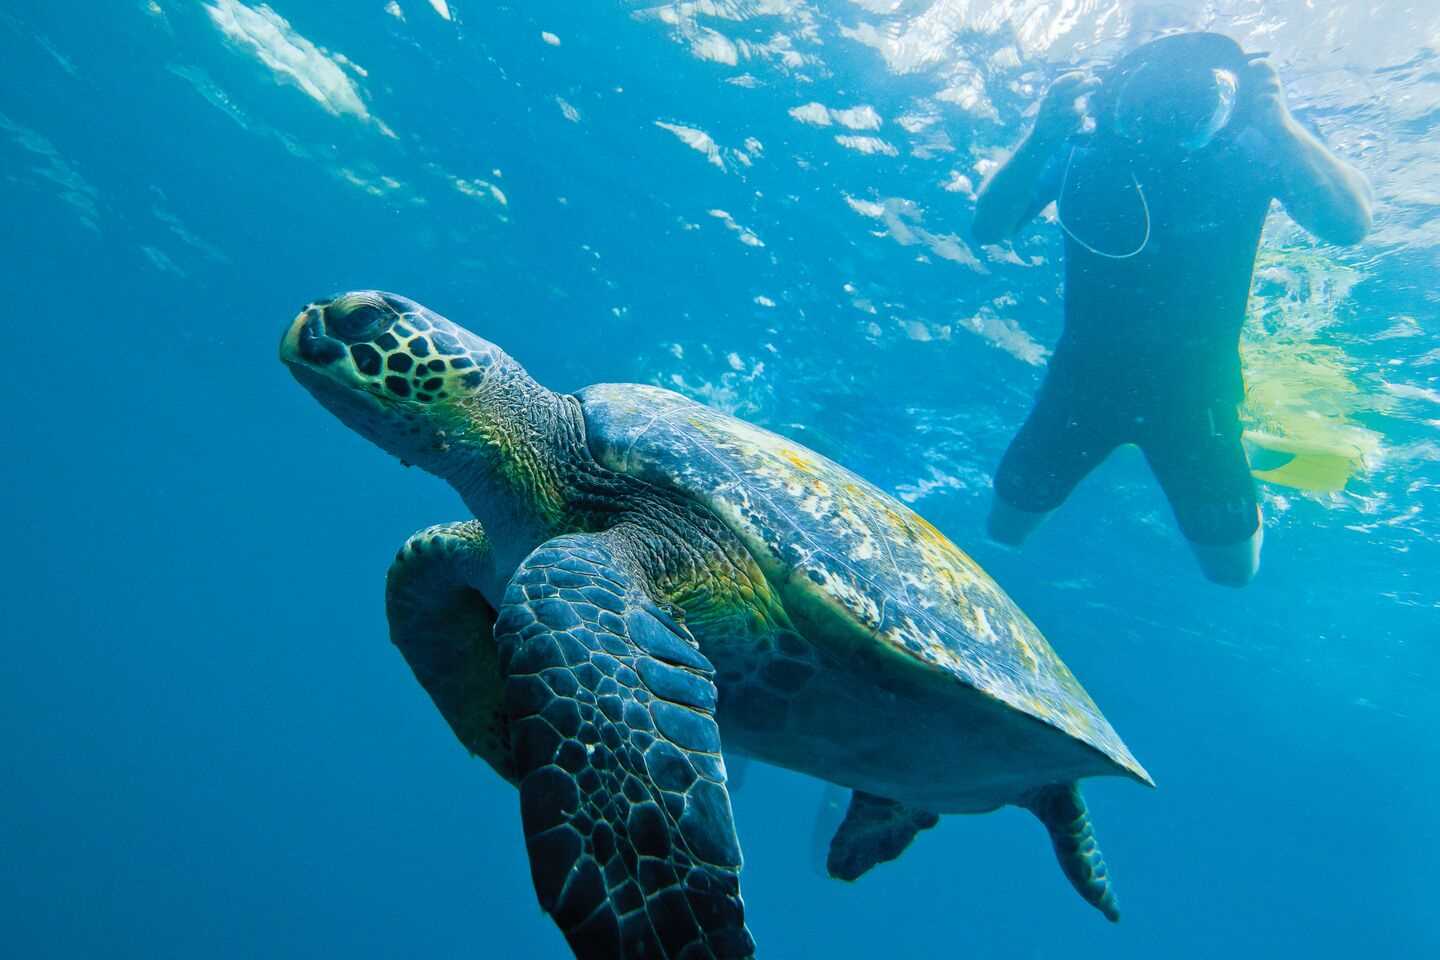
x=1317, y=467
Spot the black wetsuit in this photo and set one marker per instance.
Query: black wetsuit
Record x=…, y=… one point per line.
x=1150, y=350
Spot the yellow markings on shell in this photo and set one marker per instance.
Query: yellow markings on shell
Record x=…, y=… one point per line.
x=859, y=517
x=827, y=494
x=796, y=459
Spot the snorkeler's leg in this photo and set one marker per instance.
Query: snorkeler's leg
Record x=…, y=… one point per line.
x=1201, y=465
x=1058, y=445
x=1231, y=564
x=1010, y=525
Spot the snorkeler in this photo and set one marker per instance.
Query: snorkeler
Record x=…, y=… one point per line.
x=1161, y=205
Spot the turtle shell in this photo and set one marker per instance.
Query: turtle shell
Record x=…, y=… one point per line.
x=842, y=548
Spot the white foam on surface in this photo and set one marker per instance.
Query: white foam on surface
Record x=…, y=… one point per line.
x=867, y=145
x=294, y=60
x=695, y=139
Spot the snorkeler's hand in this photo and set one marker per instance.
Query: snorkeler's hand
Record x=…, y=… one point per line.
x=1267, y=97
x=1060, y=112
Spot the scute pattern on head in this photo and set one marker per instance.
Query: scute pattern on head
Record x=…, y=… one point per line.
x=847, y=552
x=401, y=345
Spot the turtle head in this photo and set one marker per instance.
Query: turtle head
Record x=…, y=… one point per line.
x=405, y=378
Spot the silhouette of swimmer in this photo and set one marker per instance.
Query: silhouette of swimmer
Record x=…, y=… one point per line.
x=1162, y=206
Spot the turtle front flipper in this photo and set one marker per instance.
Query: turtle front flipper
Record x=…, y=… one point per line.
x=445, y=630
x=622, y=786
x=1062, y=810
x=875, y=830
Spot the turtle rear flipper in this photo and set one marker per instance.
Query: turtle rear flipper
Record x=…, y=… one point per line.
x=1061, y=808
x=875, y=830
x=622, y=786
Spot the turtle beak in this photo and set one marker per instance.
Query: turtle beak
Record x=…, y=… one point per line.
x=306, y=344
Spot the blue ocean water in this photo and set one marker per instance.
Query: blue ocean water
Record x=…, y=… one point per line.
x=211, y=749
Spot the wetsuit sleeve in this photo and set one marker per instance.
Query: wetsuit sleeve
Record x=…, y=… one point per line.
x=1047, y=188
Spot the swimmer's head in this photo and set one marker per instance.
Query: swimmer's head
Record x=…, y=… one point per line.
x=1178, y=92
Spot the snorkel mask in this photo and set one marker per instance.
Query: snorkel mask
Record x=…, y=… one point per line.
x=1177, y=93
x=1170, y=110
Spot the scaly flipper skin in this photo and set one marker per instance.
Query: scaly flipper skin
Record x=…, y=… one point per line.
x=1063, y=811
x=875, y=830
x=445, y=630
x=622, y=787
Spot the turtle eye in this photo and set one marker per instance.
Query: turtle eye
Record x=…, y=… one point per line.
x=356, y=322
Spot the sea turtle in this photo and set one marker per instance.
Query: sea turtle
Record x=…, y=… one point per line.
x=646, y=577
